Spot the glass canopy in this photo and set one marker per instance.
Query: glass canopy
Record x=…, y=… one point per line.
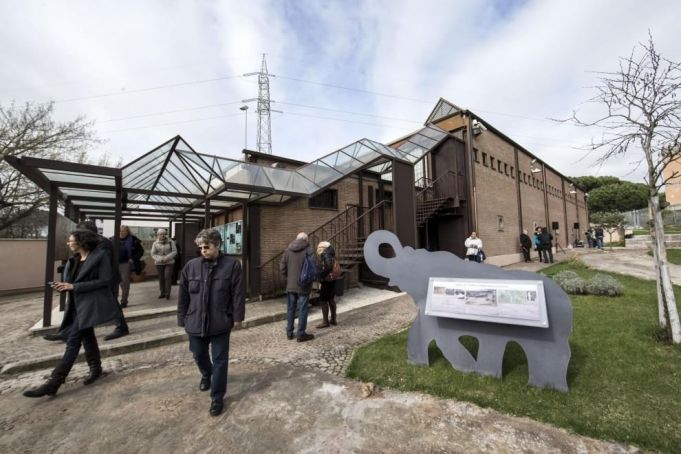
x=174, y=180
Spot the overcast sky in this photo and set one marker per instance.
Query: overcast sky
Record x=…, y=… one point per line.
x=146, y=71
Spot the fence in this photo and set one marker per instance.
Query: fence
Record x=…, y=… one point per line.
x=639, y=218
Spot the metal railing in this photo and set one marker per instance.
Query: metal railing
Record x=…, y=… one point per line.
x=344, y=231
x=443, y=188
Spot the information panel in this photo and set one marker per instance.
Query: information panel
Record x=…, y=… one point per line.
x=232, y=237
x=488, y=300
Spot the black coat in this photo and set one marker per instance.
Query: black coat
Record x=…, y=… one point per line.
x=91, y=298
x=211, y=296
x=546, y=240
x=525, y=241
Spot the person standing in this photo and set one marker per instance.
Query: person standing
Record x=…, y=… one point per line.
x=88, y=283
x=210, y=304
x=163, y=251
x=546, y=243
x=327, y=257
x=525, y=245
x=537, y=243
x=473, y=247
x=130, y=251
x=599, y=237
x=298, y=297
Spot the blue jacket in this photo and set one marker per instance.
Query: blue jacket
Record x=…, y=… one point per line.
x=211, y=296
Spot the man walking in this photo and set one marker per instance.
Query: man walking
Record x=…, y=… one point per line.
x=599, y=237
x=290, y=266
x=525, y=245
x=212, y=286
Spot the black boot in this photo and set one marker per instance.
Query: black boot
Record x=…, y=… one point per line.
x=325, y=315
x=95, y=371
x=332, y=305
x=48, y=389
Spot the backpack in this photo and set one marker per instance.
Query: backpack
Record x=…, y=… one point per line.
x=335, y=272
x=308, y=272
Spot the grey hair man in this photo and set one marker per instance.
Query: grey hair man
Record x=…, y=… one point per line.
x=211, y=303
x=298, y=296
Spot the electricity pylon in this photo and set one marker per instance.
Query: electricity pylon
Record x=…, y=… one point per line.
x=263, y=110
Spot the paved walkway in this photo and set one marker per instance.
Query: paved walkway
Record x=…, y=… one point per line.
x=283, y=396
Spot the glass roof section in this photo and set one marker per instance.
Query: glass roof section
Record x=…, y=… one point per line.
x=442, y=109
x=173, y=178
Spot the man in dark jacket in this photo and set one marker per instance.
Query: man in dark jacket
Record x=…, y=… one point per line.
x=290, y=266
x=130, y=251
x=525, y=245
x=210, y=304
x=121, y=325
x=546, y=243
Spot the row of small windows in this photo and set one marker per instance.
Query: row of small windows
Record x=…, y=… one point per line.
x=502, y=167
x=495, y=164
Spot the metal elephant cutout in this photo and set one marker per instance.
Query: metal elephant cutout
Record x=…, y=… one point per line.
x=547, y=349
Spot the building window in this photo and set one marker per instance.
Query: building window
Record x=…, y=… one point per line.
x=500, y=223
x=326, y=199
x=484, y=159
x=512, y=172
x=475, y=155
x=506, y=169
x=499, y=165
x=491, y=162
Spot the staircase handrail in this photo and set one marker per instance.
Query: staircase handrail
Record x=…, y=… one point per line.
x=315, y=231
x=366, y=213
x=437, y=181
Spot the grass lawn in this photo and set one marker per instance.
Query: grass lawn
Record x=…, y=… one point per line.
x=624, y=384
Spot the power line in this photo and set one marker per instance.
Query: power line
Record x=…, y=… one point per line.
x=142, y=90
x=171, y=123
x=166, y=112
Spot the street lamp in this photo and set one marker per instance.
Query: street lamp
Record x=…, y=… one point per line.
x=245, y=109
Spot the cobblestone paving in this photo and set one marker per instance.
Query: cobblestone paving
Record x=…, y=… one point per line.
x=267, y=344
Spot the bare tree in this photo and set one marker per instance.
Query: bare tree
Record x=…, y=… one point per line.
x=29, y=130
x=642, y=115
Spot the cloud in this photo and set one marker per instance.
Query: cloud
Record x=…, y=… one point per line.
x=346, y=70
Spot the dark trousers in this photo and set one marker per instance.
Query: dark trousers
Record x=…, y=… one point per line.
x=217, y=368
x=165, y=278
x=76, y=338
x=526, y=254
x=296, y=301
x=548, y=254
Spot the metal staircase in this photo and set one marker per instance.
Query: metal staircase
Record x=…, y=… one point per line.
x=346, y=232
x=438, y=196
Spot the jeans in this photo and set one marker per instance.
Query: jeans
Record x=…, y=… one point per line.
x=76, y=338
x=295, y=299
x=217, y=369
x=165, y=278
x=599, y=242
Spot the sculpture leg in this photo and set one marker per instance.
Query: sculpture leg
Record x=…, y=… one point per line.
x=418, y=339
x=548, y=364
x=491, y=356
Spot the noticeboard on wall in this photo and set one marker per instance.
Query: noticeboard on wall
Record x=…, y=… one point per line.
x=488, y=300
x=232, y=237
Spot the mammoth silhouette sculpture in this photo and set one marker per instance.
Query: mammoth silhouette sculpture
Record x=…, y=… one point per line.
x=547, y=349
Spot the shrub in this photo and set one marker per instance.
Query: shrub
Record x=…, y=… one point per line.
x=602, y=284
x=575, y=286
x=564, y=276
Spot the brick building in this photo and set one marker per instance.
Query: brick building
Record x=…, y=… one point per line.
x=432, y=188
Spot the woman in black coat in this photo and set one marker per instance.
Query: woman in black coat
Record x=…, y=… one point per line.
x=326, y=257
x=88, y=277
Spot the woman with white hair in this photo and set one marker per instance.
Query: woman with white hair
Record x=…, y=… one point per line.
x=163, y=251
x=326, y=257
